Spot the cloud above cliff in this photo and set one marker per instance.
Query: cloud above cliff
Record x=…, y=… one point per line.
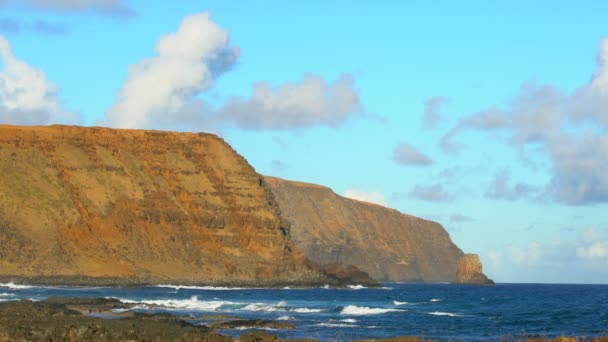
x=187, y=61
x=27, y=97
x=570, y=129
x=406, y=154
x=310, y=102
x=163, y=91
x=365, y=196
x=119, y=8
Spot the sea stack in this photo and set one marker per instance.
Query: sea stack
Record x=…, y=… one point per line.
x=470, y=271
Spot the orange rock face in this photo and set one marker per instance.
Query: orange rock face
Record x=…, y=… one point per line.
x=97, y=205
x=383, y=242
x=470, y=271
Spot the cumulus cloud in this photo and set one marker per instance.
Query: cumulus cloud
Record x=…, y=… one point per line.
x=159, y=89
x=571, y=130
x=311, y=102
x=27, y=97
x=432, y=106
x=104, y=7
x=371, y=197
x=432, y=193
x=406, y=154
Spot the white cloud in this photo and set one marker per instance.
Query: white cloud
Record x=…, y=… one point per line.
x=310, y=102
x=27, y=97
x=581, y=260
x=161, y=92
x=371, y=197
x=571, y=130
x=157, y=90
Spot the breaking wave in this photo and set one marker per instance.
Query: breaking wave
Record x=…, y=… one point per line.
x=181, y=304
x=11, y=285
x=396, y=302
x=439, y=313
x=364, y=310
x=205, y=288
x=356, y=287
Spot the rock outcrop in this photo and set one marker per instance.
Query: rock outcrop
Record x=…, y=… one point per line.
x=104, y=206
x=470, y=271
x=383, y=242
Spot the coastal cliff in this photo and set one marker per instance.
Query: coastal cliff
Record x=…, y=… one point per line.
x=387, y=244
x=470, y=271
x=104, y=206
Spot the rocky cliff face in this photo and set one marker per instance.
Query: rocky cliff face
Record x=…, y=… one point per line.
x=387, y=244
x=470, y=271
x=96, y=205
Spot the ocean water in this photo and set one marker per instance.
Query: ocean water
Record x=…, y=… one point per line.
x=437, y=311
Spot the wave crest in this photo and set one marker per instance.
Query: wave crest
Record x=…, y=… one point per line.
x=364, y=310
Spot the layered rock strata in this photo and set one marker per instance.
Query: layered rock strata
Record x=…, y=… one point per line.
x=387, y=244
x=104, y=206
x=470, y=271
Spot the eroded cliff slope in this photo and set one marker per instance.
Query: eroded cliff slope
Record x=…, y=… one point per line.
x=90, y=205
x=385, y=243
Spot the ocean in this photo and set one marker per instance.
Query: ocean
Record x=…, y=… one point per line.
x=437, y=311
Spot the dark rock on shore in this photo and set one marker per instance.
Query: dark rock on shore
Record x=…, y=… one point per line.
x=54, y=320
x=349, y=275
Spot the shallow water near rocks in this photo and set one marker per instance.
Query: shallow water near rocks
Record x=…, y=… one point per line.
x=437, y=311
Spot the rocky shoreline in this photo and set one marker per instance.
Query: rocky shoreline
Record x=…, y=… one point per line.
x=94, y=319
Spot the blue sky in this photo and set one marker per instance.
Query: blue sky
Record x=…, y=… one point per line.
x=488, y=118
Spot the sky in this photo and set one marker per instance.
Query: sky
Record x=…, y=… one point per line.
x=488, y=117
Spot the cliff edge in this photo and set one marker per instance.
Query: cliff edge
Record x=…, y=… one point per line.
x=104, y=206
x=387, y=244
x=470, y=271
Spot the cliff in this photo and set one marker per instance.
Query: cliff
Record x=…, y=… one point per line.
x=387, y=244
x=97, y=205
x=470, y=271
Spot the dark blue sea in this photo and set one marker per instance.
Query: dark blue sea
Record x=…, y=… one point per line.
x=437, y=311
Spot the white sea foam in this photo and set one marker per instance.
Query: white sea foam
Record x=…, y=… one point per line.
x=336, y=325
x=396, y=302
x=356, y=287
x=326, y=286
x=7, y=295
x=14, y=286
x=364, y=310
x=436, y=300
x=285, y=318
x=181, y=304
x=305, y=310
x=439, y=313
x=206, y=288
x=349, y=320
x=263, y=307
x=257, y=328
